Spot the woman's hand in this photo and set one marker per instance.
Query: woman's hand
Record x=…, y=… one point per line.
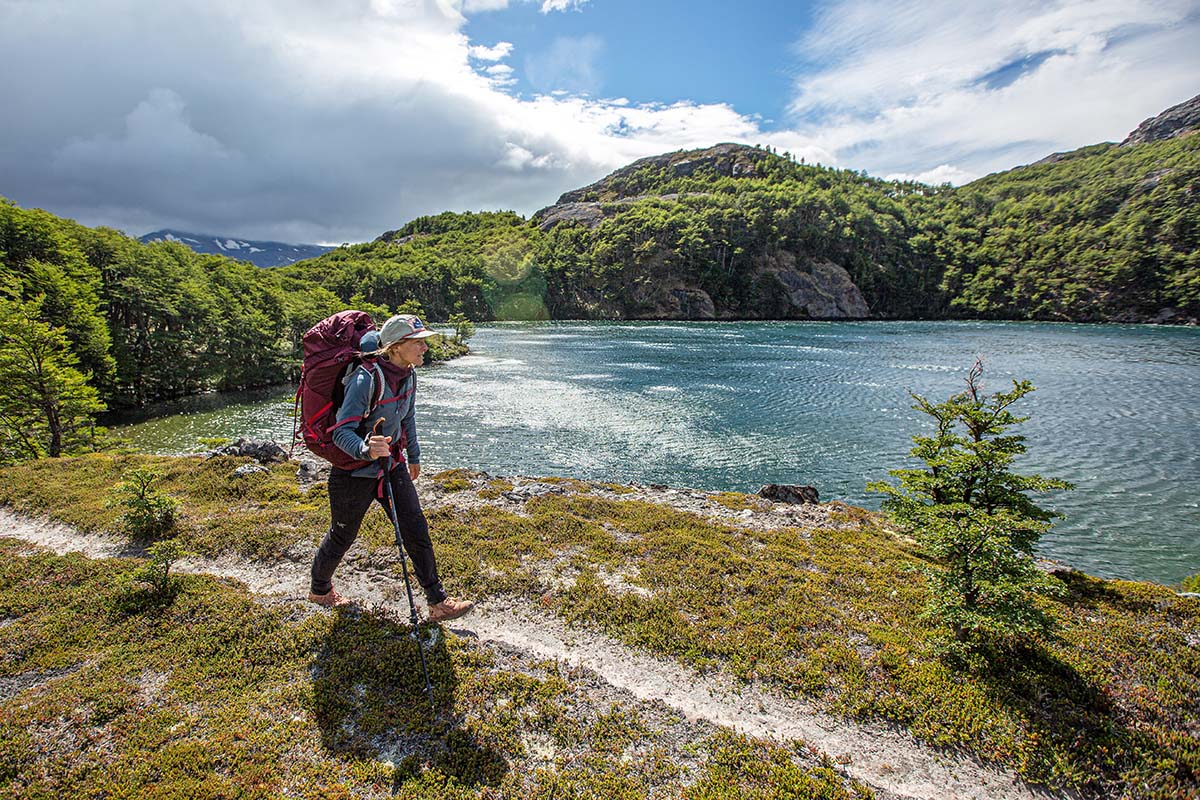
x=379, y=446
x=414, y=470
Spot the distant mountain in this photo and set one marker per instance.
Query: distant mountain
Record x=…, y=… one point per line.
x=262, y=254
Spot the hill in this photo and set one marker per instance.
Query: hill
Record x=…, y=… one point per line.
x=260, y=254
x=1106, y=233
x=606, y=658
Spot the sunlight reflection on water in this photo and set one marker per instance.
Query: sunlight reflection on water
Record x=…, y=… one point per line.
x=736, y=405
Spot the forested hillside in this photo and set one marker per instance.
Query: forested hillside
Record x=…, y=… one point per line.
x=1104, y=233
x=92, y=319
x=155, y=321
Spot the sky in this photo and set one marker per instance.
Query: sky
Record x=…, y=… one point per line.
x=333, y=121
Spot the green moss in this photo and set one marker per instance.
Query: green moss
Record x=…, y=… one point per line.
x=574, y=484
x=454, y=480
x=831, y=614
x=217, y=695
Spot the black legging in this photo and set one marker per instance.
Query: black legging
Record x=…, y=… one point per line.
x=349, y=499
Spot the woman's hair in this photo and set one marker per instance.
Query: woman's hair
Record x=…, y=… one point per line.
x=381, y=352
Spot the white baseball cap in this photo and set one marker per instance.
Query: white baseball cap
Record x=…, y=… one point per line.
x=403, y=326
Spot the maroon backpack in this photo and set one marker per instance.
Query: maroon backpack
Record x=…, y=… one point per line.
x=331, y=351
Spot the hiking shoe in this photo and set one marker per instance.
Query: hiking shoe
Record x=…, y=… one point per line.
x=330, y=599
x=448, y=609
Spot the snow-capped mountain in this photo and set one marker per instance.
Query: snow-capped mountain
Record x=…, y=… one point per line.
x=263, y=254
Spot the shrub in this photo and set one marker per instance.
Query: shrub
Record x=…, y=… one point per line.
x=148, y=514
x=156, y=571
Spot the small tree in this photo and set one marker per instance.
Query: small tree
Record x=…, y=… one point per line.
x=464, y=329
x=974, y=516
x=46, y=404
x=148, y=513
x=156, y=572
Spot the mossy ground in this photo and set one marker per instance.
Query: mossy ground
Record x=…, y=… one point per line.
x=1107, y=708
x=207, y=693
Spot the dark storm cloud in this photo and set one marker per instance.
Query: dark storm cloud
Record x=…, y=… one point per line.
x=143, y=115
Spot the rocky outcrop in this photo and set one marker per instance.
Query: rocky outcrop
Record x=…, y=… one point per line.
x=262, y=451
x=591, y=213
x=1180, y=120
x=824, y=291
x=587, y=214
x=789, y=493
x=722, y=160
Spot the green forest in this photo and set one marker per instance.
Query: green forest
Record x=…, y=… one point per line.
x=1106, y=233
x=93, y=319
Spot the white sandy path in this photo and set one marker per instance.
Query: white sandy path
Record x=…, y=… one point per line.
x=883, y=758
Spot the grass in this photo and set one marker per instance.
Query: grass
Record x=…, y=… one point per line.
x=1108, y=708
x=210, y=694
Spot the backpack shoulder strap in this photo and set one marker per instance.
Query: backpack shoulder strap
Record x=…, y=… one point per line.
x=378, y=383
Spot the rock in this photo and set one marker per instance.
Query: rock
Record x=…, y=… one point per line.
x=520, y=494
x=1179, y=120
x=726, y=159
x=262, y=451
x=821, y=290
x=659, y=301
x=588, y=214
x=250, y=469
x=311, y=472
x=789, y=493
x=688, y=303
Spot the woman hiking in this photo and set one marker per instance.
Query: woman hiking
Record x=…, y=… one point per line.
x=370, y=431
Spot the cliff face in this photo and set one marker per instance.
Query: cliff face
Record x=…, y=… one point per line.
x=780, y=287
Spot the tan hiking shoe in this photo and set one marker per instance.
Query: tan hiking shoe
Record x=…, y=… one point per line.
x=330, y=599
x=448, y=609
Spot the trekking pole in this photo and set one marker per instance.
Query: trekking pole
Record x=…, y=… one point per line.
x=412, y=608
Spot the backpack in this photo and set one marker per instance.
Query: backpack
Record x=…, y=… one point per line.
x=331, y=352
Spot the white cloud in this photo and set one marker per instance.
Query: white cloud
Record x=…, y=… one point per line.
x=943, y=173
x=334, y=120
x=496, y=52
x=901, y=87
x=501, y=75
x=474, y=6
x=310, y=120
x=562, y=5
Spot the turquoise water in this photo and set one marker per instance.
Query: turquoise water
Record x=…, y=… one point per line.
x=736, y=405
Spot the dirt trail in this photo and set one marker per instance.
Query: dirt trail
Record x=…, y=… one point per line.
x=887, y=760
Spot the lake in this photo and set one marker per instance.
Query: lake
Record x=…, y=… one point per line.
x=735, y=405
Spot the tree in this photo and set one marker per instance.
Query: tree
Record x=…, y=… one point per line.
x=973, y=515
x=46, y=404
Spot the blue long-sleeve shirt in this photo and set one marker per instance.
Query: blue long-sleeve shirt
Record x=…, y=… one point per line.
x=396, y=409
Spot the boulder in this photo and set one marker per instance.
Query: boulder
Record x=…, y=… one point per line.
x=789, y=493
x=818, y=290
x=262, y=451
x=311, y=472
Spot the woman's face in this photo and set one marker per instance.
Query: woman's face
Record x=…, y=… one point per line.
x=408, y=352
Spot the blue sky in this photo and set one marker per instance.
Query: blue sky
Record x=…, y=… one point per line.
x=655, y=52
x=335, y=120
